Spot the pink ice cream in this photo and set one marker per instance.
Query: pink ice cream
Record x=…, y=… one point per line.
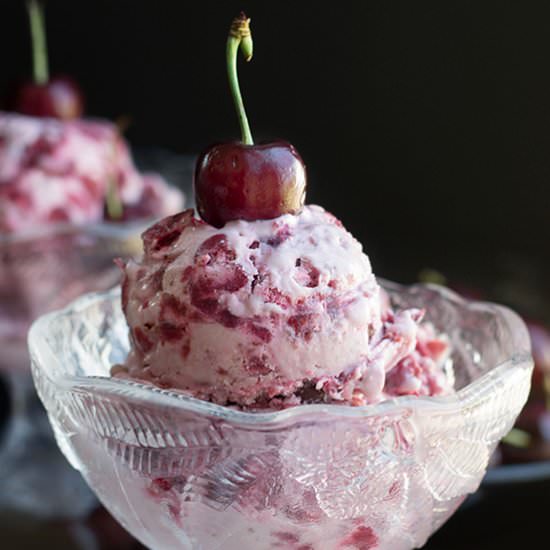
x=272, y=313
x=59, y=171
x=54, y=177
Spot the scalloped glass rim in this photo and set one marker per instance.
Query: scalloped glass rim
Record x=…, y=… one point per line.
x=39, y=349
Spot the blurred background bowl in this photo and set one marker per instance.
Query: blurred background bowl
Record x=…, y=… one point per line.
x=41, y=271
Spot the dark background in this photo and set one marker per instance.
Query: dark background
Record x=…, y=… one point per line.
x=425, y=126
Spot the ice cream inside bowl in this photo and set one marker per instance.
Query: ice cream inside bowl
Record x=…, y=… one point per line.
x=272, y=313
x=183, y=472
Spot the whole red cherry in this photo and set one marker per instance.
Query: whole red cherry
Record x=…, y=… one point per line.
x=241, y=180
x=235, y=181
x=58, y=97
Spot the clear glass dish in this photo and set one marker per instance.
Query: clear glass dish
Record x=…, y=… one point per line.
x=45, y=269
x=41, y=271
x=181, y=473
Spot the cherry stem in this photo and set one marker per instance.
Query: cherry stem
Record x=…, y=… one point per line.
x=38, y=39
x=239, y=38
x=113, y=201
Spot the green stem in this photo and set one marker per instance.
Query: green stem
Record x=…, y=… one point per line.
x=113, y=202
x=239, y=37
x=38, y=38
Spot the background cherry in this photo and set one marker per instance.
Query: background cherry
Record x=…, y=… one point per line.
x=57, y=97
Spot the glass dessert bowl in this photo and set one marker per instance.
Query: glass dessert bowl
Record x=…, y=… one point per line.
x=45, y=269
x=41, y=271
x=178, y=472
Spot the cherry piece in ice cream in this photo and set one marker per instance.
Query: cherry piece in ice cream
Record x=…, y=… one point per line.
x=57, y=97
x=241, y=180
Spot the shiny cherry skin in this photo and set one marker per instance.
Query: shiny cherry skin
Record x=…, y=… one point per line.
x=60, y=98
x=234, y=181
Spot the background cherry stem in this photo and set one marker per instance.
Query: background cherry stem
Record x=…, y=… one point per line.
x=38, y=40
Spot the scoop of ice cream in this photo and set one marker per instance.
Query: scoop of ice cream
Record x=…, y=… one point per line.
x=267, y=313
x=59, y=171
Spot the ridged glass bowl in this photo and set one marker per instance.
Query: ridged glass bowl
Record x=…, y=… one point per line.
x=45, y=269
x=181, y=473
x=41, y=271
